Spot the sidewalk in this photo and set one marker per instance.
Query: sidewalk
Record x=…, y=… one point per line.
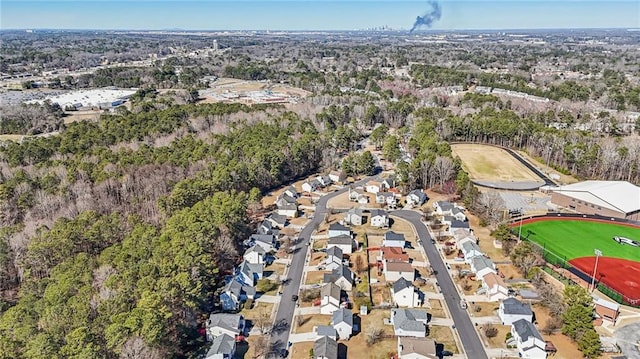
x=303, y=337
x=268, y=299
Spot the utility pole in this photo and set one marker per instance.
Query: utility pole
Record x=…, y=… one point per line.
x=598, y=254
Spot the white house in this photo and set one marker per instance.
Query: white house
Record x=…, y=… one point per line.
x=292, y=192
x=324, y=181
x=343, y=277
x=326, y=331
x=528, y=340
x=379, y=218
x=464, y=239
x=310, y=186
x=334, y=258
x=443, y=208
x=387, y=198
x=342, y=322
x=458, y=214
x=354, y=216
x=393, y=239
x=345, y=242
x=393, y=271
x=325, y=347
x=223, y=347
x=224, y=323
x=373, y=186
x=456, y=224
x=266, y=241
x=357, y=195
x=286, y=206
x=404, y=294
x=414, y=348
x=481, y=266
x=495, y=288
x=278, y=220
x=388, y=183
x=255, y=255
x=511, y=310
x=337, y=229
x=416, y=197
x=329, y=298
x=470, y=249
x=409, y=322
x=337, y=176
x=249, y=273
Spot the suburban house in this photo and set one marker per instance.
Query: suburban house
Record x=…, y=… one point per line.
x=234, y=294
x=292, y=192
x=324, y=181
x=393, y=239
x=343, y=277
x=286, y=206
x=223, y=347
x=310, y=186
x=495, y=287
x=266, y=227
x=387, y=198
x=458, y=214
x=342, y=322
x=266, y=241
x=373, y=186
x=470, y=249
x=443, y=208
x=413, y=348
x=326, y=331
x=337, y=176
x=249, y=273
x=393, y=254
x=329, y=298
x=481, y=266
x=396, y=270
x=337, y=229
x=354, y=216
x=325, y=348
x=416, y=198
x=404, y=294
x=379, y=218
x=255, y=255
x=388, y=183
x=511, y=310
x=335, y=258
x=463, y=237
x=284, y=199
x=344, y=242
x=409, y=322
x=528, y=340
x=461, y=233
x=224, y=323
x=446, y=219
x=456, y=224
x=357, y=195
x=277, y=220
x=607, y=310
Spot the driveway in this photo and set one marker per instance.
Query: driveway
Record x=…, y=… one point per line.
x=628, y=338
x=466, y=330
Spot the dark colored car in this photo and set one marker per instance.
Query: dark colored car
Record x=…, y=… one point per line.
x=284, y=353
x=294, y=297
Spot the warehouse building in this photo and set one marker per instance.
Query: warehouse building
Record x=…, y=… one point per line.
x=619, y=199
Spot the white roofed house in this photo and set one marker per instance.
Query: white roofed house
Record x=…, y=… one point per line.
x=388, y=183
x=335, y=258
x=224, y=323
x=337, y=229
x=354, y=216
x=409, y=322
x=337, y=176
x=404, y=294
x=329, y=298
x=255, y=254
x=345, y=243
x=512, y=310
x=458, y=214
x=387, y=198
x=223, y=347
x=342, y=322
x=393, y=239
x=379, y=218
x=416, y=197
x=528, y=340
x=324, y=181
x=482, y=266
x=495, y=287
x=416, y=348
x=357, y=195
x=291, y=191
x=373, y=186
x=443, y=208
x=310, y=186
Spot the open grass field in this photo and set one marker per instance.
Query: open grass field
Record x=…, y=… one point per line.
x=489, y=163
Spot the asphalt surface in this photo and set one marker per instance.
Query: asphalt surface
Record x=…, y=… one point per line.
x=466, y=331
x=286, y=309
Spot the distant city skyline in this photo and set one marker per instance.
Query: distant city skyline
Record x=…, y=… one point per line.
x=314, y=14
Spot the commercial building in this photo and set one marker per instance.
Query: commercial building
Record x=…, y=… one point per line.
x=619, y=199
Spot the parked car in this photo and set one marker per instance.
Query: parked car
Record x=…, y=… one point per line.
x=284, y=353
x=294, y=298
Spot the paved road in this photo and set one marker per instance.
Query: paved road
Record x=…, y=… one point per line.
x=470, y=340
x=284, y=316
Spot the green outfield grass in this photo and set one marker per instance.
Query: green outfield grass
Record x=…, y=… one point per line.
x=575, y=239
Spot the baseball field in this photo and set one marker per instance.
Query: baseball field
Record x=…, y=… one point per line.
x=575, y=241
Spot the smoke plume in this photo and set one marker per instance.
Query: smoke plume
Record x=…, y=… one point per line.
x=429, y=17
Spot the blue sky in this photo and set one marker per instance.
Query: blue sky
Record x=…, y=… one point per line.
x=315, y=14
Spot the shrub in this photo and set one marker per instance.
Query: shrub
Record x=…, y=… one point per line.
x=265, y=285
x=490, y=331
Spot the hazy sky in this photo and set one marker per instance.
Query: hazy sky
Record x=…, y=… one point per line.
x=314, y=14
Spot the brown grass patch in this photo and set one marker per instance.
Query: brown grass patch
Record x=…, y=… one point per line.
x=490, y=163
x=317, y=258
x=437, y=310
x=300, y=350
x=499, y=340
x=309, y=322
x=509, y=271
x=314, y=277
x=443, y=335
x=486, y=309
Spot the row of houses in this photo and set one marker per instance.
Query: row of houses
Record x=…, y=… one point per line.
x=323, y=181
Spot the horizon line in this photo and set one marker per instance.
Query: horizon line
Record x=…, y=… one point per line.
x=324, y=30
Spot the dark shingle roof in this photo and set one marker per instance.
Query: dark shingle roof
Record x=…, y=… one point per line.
x=514, y=306
x=526, y=329
x=401, y=284
x=325, y=347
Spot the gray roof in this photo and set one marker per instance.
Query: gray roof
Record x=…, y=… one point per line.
x=256, y=248
x=470, y=246
x=459, y=224
x=445, y=206
x=225, y=320
x=421, y=195
x=448, y=218
x=325, y=330
x=514, y=306
x=342, y=271
x=342, y=315
x=378, y=212
x=456, y=210
x=325, y=347
x=401, y=284
x=264, y=238
x=279, y=219
x=341, y=239
x=331, y=290
x=393, y=236
x=526, y=329
x=250, y=268
x=234, y=287
x=407, y=319
x=222, y=344
x=335, y=252
x=285, y=198
x=338, y=227
x=481, y=262
x=356, y=211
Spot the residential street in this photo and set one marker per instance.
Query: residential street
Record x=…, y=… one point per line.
x=470, y=340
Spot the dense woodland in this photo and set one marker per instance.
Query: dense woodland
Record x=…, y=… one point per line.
x=115, y=234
